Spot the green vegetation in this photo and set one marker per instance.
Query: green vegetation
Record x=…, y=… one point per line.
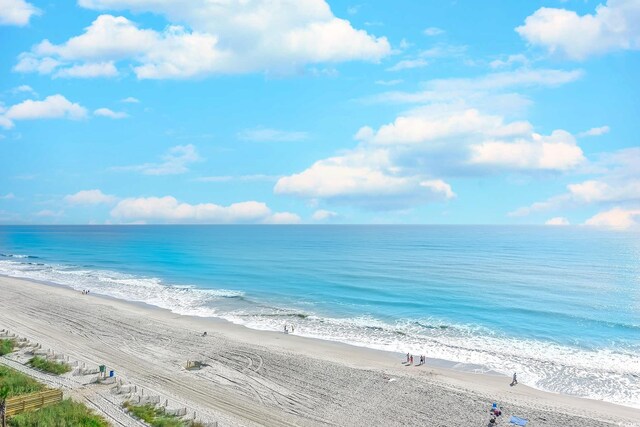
x=6, y=346
x=49, y=366
x=156, y=417
x=15, y=383
x=64, y=414
x=153, y=416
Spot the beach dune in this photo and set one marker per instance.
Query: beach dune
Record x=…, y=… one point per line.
x=269, y=378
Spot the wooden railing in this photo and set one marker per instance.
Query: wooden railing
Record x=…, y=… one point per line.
x=30, y=402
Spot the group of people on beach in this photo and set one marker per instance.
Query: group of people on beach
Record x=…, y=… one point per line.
x=423, y=360
x=85, y=291
x=288, y=328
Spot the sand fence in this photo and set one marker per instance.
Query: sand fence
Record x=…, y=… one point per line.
x=138, y=396
x=124, y=391
x=33, y=401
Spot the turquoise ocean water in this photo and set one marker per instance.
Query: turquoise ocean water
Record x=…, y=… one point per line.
x=561, y=306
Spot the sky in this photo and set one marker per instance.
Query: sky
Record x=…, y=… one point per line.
x=315, y=111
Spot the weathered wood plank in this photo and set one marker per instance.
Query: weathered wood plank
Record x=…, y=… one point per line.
x=30, y=402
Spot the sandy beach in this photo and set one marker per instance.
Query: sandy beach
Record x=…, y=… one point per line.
x=270, y=378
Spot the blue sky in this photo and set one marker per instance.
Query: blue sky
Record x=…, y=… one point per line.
x=313, y=111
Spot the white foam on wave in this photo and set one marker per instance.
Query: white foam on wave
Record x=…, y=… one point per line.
x=180, y=299
x=606, y=374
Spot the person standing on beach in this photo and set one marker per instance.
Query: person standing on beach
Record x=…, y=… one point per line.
x=515, y=379
x=407, y=357
x=411, y=360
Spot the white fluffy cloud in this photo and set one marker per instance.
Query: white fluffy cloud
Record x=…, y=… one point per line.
x=389, y=82
x=24, y=89
x=595, y=191
x=105, y=112
x=169, y=210
x=559, y=220
x=16, y=12
x=90, y=197
x=283, y=218
x=89, y=70
x=219, y=37
x=404, y=163
x=52, y=107
x=586, y=193
x=347, y=175
x=489, y=140
x=614, y=26
x=408, y=64
x=323, y=215
x=509, y=61
x=175, y=162
x=30, y=63
x=461, y=129
x=365, y=178
x=595, y=131
x=557, y=151
x=428, y=124
x=616, y=218
x=617, y=183
x=5, y=123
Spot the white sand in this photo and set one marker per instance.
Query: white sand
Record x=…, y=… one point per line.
x=269, y=378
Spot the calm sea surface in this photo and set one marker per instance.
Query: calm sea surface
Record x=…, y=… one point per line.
x=559, y=305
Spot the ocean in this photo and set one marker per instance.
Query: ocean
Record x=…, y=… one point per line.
x=558, y=305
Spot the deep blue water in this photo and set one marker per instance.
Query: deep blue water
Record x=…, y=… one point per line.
x=559, y=305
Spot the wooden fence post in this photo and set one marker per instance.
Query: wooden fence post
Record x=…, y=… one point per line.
x=3, y=406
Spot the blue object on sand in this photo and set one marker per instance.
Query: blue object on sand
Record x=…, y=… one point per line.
x=518, y=421
x=494, y=406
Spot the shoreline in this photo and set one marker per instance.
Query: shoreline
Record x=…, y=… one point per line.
x=364, y=364
x=432, y=361
x=435, y=362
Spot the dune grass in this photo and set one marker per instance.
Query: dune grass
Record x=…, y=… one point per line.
x=49, y=366
x=156, y=417
x=6, y=346
x=64, y=414
x=15, y=383
x=153, y=416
